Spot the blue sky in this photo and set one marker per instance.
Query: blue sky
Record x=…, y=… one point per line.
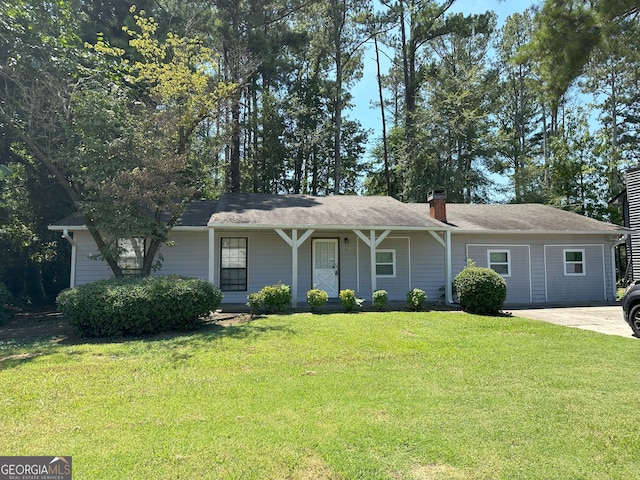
x=366, y=91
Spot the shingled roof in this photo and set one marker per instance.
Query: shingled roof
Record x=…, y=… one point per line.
x=337, y=211
x=197, y=214
x=526, y=218
x=375, y=212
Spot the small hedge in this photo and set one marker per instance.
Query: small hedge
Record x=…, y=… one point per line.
x=380, y=299
x=480, y=290
x=136, y=306
x=349, y=301
x=5, y=297
x=271, y=299
x=416, y=299
x=316, y=298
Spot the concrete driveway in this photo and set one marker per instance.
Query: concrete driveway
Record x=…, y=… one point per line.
x=604, y=319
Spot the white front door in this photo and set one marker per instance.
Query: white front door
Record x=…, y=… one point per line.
x=325, y=265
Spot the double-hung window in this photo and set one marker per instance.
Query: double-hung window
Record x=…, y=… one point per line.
x=574, y=262
x=500, y=261
x=131, y=255
x=385, y=263
x=233, y=264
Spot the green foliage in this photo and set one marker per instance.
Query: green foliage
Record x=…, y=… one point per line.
x=480, y=290
x=380, y=299
x=416, y=299
x=5, y=297
x=349, y=300
x=316, y=298
x=135, y=306
x=271, y=299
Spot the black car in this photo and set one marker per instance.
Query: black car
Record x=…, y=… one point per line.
x=631, y=307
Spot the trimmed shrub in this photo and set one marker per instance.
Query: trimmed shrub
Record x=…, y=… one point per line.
x=349, y=300
x=136, y=306
x=380, y=299
x=480, y=290
x=416, y=299
x=5, y=297
x=316, y=298
x=271, y=298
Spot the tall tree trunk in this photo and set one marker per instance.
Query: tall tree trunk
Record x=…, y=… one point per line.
x=385, y=153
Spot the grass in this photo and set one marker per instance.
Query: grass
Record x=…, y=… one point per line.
x=362, y=396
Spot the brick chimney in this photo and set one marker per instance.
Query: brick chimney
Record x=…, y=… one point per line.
x=437, y=199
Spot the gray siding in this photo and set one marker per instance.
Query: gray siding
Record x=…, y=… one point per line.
x=548, y=282
x=419, y=262
x=187, y=255
x=519, y=280
x=575, y=288
x=88, y=270
x=268, y=261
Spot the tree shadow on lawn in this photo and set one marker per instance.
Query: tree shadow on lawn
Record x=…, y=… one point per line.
x=29, y=335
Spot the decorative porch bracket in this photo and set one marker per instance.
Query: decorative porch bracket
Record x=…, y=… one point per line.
x=294, y=242
x=372, y=242
x=446, y=244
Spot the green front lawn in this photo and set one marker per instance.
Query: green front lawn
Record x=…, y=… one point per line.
x=362, y=396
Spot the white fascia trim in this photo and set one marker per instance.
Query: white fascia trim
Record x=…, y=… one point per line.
x=80, y=228
x=253, y=226
x=539, y=232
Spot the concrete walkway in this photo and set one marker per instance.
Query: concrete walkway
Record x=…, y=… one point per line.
x=603, y=318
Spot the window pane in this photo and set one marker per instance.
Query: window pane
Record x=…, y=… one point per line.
x=233, y=264
x=384, y=257
x=573, y=256
x=501, y=269
x=499, y=257
x=574, y=268
x=131, y=258
x=384, y=269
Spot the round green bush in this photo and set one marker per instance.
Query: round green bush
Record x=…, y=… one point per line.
x=271, y=298
x=416, y=299
x=316, y=298
x=136, y=306
x=480, y=290
x=380, y=299
x=349, y=300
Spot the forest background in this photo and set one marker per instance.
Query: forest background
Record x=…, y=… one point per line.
x=126, y=126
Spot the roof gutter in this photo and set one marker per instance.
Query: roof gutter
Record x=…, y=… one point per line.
x=255, y=226
x=83, y=228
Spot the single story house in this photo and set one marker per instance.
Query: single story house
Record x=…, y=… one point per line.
x=243, y=242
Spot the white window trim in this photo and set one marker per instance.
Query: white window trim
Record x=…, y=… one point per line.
x=394, y=263
x=583, y=262
x=508, y=263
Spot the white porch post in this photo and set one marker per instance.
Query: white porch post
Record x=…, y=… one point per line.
x=74, y=255
x=448, y=288
x=372, y=250
x=294, y=242
x=294, y=268
x=212, y=255
x=448, y=277
x=372, y=242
